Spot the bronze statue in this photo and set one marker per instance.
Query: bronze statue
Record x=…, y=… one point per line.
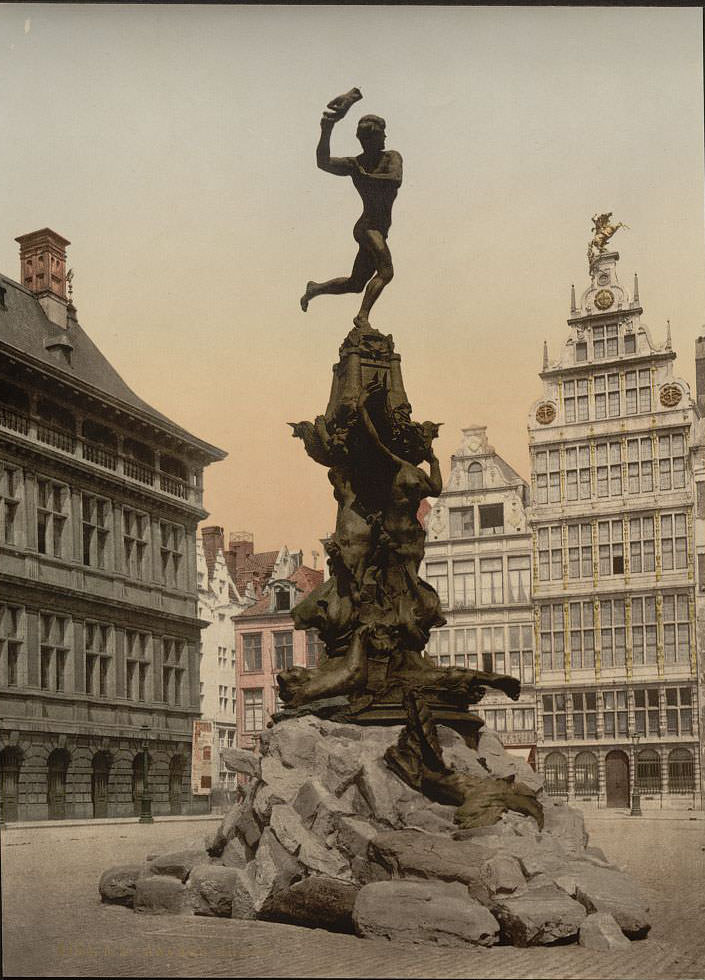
x=376, y=174
x=375, y=613
x=602, y=231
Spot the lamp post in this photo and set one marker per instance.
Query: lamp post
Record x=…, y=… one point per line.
x=636, y=799
x=146, y=802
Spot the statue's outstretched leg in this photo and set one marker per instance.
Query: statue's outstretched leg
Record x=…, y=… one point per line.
x=363, y=267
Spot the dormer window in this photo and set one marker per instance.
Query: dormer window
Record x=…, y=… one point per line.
x=475, y=481
x=282, y=599
x=630, y=343
x=581, y=351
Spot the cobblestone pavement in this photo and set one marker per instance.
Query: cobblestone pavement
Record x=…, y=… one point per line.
x=54, y=924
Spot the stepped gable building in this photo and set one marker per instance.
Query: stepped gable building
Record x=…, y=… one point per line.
x=266, y=641
x=697, y=458
x=100, y=495
x=478, y=559
x=218, y=602
x=613, y=562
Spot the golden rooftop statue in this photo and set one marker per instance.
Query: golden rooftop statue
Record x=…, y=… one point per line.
x=602, y=231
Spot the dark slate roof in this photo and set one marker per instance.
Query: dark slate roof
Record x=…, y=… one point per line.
x=25, y=327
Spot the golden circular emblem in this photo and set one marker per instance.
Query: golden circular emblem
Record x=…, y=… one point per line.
x=545, y=413
x=604, y=299
x=670, y=395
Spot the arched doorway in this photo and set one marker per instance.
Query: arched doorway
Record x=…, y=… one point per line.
x=617, y=778
x=10, y=762
x=57, y=768
x=100, y=782
x=176, y=774
x=137, y=783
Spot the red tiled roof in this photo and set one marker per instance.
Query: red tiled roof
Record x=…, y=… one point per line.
x=262, y=564
x=307, y=579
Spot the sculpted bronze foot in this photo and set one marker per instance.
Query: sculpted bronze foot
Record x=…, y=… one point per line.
x=361, y=321
x=338, y=675
x=308, y=295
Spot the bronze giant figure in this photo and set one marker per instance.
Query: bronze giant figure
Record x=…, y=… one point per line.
x=375, y=612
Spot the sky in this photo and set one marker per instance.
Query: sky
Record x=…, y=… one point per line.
x=174, y=146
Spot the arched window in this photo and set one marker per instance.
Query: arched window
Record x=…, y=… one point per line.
x=475, y=481
x=57, y=769
x=648, y=772
x=555, y=770
x=681, y=771
x=586, y=781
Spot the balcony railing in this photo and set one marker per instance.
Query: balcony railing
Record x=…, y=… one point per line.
x=173, y=485
x=58, y=438
x=37, y=430
x=12, y=419
x=100, y=455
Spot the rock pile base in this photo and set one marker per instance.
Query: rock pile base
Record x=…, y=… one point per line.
x=327, y=836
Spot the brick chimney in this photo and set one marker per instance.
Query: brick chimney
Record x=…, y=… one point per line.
x=213, y=541
x=43, y=271
x=241, y=546
x=700, y=375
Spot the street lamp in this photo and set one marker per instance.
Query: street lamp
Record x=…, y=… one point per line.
x=146, y=802
x=636, y=799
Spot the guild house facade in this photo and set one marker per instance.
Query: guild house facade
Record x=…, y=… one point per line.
x=613, y=559
x=100, y=495
x=478, y=559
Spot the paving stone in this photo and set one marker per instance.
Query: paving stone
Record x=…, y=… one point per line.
x=117, y=885
x=435, y=912
x=316, y=902
x=160, y=895
x=210, y=890
x=538, y=917
x=600, y=930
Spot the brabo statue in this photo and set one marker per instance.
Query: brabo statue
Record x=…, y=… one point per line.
x=375, y=613
x=376, y=174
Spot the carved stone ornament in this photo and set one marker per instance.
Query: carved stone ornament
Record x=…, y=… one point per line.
x=604, y=299
x=546, y=413
x=670, y=395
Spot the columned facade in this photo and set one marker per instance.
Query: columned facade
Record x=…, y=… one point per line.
x=612, y=525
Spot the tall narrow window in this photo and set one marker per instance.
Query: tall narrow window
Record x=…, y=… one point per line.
x=10, y=500
x=612, y=632
x=12, y=669
x=439, y=647
x=674, y=551
x=173, y=670
x=671, y=461
x=556, y=774
x=491, y=586
x=641, y=544
x=615, y=715
x=437, y=578
x=679, y=711
x=610, y=536
x=134, y=538
x=252, y=651
x=585, y=714
x=284, y=649
x=464, y=584
x=676, y=629
x=96, y=530
x=98, y=659
x=646, y=711
x=518, y=578
x=54, y=646
x=579, y=551
x=52, y=514
x=521, y=653
x=475, y=481
x=137, y=665
x=172, y=553
x=640, y=477
x=550, y=546
x=254, y=709
x=643, y=630
x=554, y=712
x=315, y=648
x=552, y=637
x=582, y=635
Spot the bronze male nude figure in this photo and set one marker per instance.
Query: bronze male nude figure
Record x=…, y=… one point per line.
x=376, y=174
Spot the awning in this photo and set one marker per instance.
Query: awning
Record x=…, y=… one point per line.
x=524, y=752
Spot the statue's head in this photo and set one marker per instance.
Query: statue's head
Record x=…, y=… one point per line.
x=371, y=132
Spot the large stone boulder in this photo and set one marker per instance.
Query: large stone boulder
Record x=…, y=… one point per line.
x=210, y=890
x=317, y=902
x=326, y=835
x=540, y=916
x=117, y=885
x=160, y=894
x=601, y=931
x=437, y=912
